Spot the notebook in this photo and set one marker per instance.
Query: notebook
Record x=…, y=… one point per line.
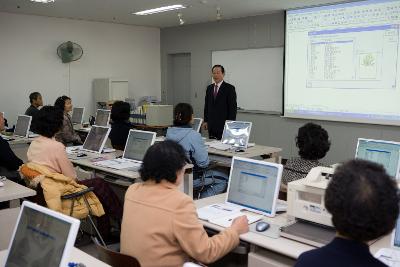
x=253, y=189
x=41, y=237
x=135, y=148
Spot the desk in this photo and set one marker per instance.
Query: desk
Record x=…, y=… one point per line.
x=266, y=251
x=271, y=153
x=123, y=177
x=13, y=192
x=8, y=219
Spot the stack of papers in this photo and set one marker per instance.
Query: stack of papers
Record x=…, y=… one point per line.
x=223, y=214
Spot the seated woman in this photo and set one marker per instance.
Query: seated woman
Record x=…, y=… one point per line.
x=46, y=151
x=9, y=162
x=67, y=134
x=313, y=143
x=160, y=225
x=120, y=125
x=364, y=203
x=214, y=182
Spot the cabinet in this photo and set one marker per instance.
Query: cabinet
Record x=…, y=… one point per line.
x=109, y=89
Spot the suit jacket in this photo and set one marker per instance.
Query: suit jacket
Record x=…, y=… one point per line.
x=220, y=109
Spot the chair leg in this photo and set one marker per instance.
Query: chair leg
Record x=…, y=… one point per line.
x=92, y=222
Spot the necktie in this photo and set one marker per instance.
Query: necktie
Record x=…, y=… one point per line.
x=215, y=90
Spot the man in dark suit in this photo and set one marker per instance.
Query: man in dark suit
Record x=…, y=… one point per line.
x=220, y=103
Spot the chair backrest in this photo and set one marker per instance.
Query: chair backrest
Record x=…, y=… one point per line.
x=114, y=258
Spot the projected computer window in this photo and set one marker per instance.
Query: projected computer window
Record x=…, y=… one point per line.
x=342, y=62
x=253, y=185
x=355, y=57
x=384, y=153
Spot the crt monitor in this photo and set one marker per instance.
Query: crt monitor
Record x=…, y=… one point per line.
x=236, y=133
x=102, y=117
x=23, y=125
x=96, y=138
x=138, y=143
x=77, y=115
x=254, y=185
x=386, y=153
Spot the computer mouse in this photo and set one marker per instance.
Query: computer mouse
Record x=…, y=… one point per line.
x=262, y=226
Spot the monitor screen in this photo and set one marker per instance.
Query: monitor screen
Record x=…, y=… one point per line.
x=138, y=143
x=236, y=133
x=96, y=138
x=342, y=62
x=102, y=117
x=23, y=125
x=396, y=239
x=77, y=115
x=383, y=152
x=197, y=124
x=254, y=184
x=39, y=240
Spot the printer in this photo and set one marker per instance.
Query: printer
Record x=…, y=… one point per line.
x=305, y=199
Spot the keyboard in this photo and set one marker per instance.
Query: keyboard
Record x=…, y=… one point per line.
x=119, y=164
x=388, y=256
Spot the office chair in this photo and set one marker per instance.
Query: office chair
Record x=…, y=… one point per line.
x=114, y=258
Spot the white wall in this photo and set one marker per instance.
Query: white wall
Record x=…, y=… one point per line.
x=29, y=62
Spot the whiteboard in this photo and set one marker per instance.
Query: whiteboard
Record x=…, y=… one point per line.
x=257, y=75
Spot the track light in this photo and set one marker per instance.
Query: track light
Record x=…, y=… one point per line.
x=180, y=17
x=219, y=16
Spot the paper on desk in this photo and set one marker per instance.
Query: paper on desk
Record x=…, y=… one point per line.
x=216, y=210
x=226, y=221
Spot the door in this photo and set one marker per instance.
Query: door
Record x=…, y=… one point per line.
x=179, y=80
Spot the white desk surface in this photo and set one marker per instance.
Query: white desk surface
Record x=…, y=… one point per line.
x=11, y=191
x=88, y=162
x=280, y=245
x=77, y=256
x=256, y=150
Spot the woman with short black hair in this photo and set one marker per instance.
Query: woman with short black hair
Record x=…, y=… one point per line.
x=313, y=143
x=67, y=134
x=120, y=125
x=160, y=226
x=364, y=204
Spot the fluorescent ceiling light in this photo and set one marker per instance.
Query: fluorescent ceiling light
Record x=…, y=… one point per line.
x=43, y=1
x=159, y=10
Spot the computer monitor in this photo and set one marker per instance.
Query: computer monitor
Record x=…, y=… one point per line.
x=137, y=144
x=96, y=138
x=23, y=125
x=197, y=124
x=396, y=235
x=77, y=115
x=102, y=117
x=386, y=153
x=236, y=133
x=254, y=185
x=41, y=237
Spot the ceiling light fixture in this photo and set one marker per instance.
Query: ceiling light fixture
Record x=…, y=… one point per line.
x=43, y=1
x=159, y=10
x=180, y=17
